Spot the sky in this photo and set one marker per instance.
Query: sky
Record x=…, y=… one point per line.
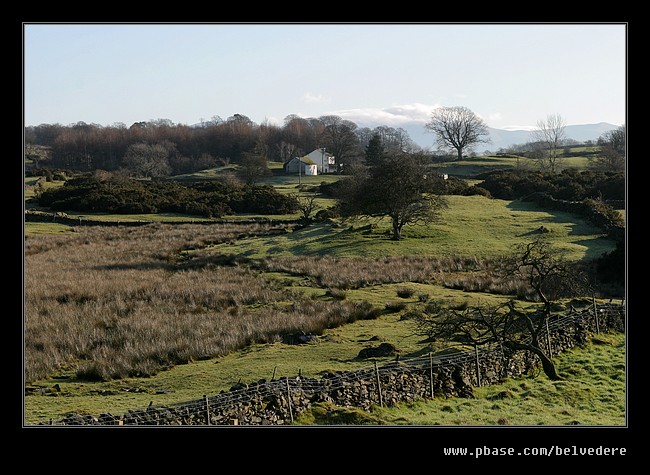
x=512, y=75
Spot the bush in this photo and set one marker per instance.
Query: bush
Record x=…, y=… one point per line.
x=336, y=294
x=394, y=307
x=213, y=199
x=569, y=185
x=325, y=214
x=405, y=292
x=477, y=191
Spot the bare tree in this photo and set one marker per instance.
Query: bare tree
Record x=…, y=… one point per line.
x=550, y=133
x=550, y=277
x=306, y=205
x=612, y=151
x=339, y=135
x=458, y=128
x=506, y=324
x=147, y=160
x=37, y=154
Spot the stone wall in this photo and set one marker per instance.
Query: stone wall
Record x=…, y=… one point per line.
x=580, y=208
x=32, y=215
x=279, y=402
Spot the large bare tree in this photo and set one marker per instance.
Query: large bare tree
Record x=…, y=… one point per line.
x=147, y=160
x=550, y=277
x=340, y=138
x=458, y=128
x=550, y=133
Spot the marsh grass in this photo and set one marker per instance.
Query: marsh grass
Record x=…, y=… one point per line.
x=153, y=306
x=120, y=302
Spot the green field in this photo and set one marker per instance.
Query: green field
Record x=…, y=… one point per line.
x=471, y=226
x=472, y=166
x=593, y=392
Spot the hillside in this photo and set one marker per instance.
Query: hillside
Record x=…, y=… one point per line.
x=173, y=305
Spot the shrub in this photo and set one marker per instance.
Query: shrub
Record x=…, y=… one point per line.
x=477, y=191
x=325, y=214
x=394, y=307
x=405, y=292
x=211, y=199
x=336, y=294
x=422, y=297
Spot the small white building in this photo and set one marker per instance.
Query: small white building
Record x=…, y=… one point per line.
x=325, y=161
x=301, y=165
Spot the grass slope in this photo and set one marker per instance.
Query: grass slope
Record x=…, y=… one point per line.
x=592, y=393
x=471, y=226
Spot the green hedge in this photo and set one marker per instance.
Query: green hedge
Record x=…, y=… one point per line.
x=125, y=196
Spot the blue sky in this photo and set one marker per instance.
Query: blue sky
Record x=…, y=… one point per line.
x=512, y=75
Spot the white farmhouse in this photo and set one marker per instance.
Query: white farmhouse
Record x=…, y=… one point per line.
x=325, y=161
x=301, y=165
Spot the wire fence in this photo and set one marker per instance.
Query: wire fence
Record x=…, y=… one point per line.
x=278, y=400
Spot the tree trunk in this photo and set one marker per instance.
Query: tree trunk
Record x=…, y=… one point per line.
x=547, y=365
x=397, y=230
x=460, y=153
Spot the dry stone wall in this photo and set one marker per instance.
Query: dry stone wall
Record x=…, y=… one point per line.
x=279, y=402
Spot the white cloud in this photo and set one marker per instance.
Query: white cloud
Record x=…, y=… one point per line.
x=391, y=116
x=494, y=116
x=311, y=98
x=518, y=127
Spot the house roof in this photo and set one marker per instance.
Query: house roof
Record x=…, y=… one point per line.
x=306, y=160
x=318, y=150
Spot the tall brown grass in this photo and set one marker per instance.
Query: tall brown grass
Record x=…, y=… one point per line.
x=115, y=302
x=118, y=302
x=458, y=272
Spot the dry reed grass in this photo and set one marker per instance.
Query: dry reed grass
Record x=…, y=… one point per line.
x=466, y=273
x=115, y=302
x=118, y=302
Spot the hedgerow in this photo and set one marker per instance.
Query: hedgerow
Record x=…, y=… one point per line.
x=126, y=196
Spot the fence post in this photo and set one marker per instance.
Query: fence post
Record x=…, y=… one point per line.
x=381, y=402
x=207, y=408
x=431, y=374
x=504, y=369
x=478, y=367
x=548, y=341
x=289, y=400
x=596, y=317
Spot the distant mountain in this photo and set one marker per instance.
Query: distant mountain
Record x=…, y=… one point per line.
x=502, y=138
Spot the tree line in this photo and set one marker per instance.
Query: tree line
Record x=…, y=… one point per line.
x=159, y=147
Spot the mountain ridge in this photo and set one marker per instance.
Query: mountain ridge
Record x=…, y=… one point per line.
x=503, y=138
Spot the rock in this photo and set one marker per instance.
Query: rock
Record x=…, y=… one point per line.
x=384, y=349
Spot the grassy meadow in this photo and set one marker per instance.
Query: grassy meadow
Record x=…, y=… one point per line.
x=593, y=393
x=123, y=317
x=471, y=226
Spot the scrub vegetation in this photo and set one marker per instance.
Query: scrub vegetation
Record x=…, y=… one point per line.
x=119, y=317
